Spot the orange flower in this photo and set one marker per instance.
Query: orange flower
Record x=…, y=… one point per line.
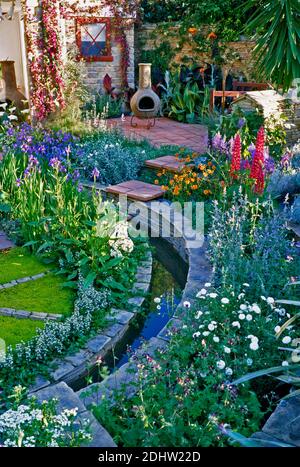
x=211, y=36
x=194, y=187
x=176, y=191
x=207, y=192
x=193, y=30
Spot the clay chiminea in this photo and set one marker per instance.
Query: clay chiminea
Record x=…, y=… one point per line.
x=10, y=91
x=145, y=103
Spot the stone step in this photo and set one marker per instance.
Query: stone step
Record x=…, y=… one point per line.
x=5, y=243
x=136, y=190
x=169, y=163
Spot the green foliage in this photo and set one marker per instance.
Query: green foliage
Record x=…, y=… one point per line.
x=45, y=295
x=225, y=14
x=184, y=101
x=276, y=26
x=103, y=104
x=17, y=263
x=161, y=56
x=13, y=330
x=35, y=424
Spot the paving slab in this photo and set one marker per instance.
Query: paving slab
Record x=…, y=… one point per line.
x=169, y=163
x=165, y=132
x=137, y=190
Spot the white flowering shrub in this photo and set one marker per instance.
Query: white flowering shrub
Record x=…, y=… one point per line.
x=52, y=340
x=120, y=242
x=238, y=333
x=39, y=425
x=90, y=299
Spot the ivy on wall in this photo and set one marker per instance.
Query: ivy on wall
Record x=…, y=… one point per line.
x=44, y=48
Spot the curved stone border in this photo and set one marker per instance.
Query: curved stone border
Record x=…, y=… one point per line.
x=199, y=273
x=74, y=366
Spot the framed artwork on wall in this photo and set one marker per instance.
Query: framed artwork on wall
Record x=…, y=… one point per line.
x=93, y=37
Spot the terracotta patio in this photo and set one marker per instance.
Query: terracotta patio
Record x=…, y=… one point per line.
x=165, y=132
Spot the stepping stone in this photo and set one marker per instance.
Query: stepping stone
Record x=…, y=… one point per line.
x=137, y=190
x=5, y=243
x=169, y=163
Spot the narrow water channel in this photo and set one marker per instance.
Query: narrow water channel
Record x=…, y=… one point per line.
x=168, y=280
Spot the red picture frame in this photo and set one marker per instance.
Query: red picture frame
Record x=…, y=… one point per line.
x=90, y=56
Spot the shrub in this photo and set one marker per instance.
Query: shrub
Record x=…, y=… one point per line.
x=116, y=159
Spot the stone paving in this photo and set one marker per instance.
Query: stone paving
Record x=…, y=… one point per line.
x=137, y=190
x=165, y=132
x=169, y=163
x=5, y=243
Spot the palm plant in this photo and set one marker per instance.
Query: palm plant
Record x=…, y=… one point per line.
x=276, y=26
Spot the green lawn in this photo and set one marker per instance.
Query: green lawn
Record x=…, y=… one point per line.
x=13, y=330
x=44, y=295
x=18, y=263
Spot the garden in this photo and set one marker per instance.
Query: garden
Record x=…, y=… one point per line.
x=150, y=224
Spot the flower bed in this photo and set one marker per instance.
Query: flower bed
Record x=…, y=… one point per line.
x=46, y=209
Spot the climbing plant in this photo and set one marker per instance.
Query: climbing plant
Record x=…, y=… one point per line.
x=44, y=48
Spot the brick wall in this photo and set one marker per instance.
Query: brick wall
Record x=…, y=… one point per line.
x=244, y=65
x=95, y=71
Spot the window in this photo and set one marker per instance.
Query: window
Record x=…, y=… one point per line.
x=93, y=39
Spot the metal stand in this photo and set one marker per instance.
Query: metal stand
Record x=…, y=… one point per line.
x=150, y=122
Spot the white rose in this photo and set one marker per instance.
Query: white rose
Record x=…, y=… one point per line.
x=216, y=339
x=227, y=349
x=213, y=295
x=256, y=308
x=236, y=324
x=254, y=345
x=221, y=364
x=201, y=292
x=224, y=300
x=277, y=329
x=242, y=316
x=270, y=300
x=286, y=340
x=228, y=371
x=285, y=363
x=249, y=317
x=207, y=284
x=243, y=307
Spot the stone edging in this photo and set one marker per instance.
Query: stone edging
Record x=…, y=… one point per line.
x=22, y=280
x=73, y=366
x=35, y=315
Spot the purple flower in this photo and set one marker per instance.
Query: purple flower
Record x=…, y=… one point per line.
x=241, y=122
x=269, y=161
x=79, y=188
x=252, y=149
x=55, y=163
x=219, y=144
x=33, y=161
x=76, y=175
x=95, y=173
x=285, y=160
x=18, y=182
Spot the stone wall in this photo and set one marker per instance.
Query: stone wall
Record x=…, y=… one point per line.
x=95, y=71
x=269, y=103
x=148, y=39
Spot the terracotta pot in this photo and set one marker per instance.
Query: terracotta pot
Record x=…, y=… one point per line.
x=10, y=91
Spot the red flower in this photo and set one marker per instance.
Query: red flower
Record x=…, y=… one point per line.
x=236, y=157
x=257, y=168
